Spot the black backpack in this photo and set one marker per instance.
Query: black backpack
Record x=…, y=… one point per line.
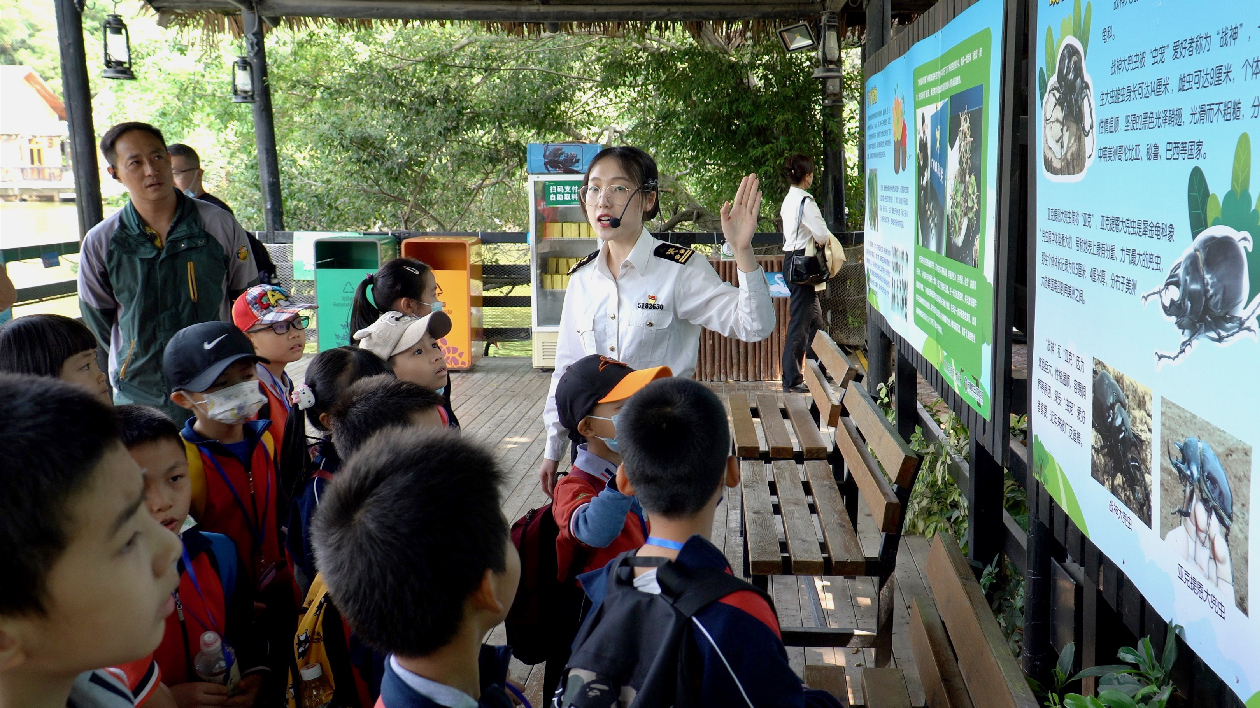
x=546, y=611
x=652, y=661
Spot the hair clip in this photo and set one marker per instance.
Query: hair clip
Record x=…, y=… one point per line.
x=371, y=277
x=413, y=271
x=303, y=397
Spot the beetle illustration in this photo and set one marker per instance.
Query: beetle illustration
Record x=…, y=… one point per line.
x=557, y=159
x=1111, y=419
x=1072, y=86
x=1200, y=469
x=1205, y=291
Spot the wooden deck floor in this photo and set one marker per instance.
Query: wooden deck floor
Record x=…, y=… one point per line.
x=500, y=403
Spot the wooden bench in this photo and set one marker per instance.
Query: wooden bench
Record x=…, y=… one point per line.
x=775, y=414
x=963, y=659
x=842, y=369
x=800, y=514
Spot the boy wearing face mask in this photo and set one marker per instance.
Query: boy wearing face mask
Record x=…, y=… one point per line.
x=596, y=521
x=232, y=469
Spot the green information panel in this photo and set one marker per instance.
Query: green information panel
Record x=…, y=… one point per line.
x=561, y=193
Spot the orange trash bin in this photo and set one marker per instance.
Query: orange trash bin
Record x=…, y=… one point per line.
x=456, y=262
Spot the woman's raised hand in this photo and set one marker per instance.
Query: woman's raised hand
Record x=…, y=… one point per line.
x=739, y=221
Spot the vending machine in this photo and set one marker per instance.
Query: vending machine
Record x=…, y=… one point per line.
x=559, y=235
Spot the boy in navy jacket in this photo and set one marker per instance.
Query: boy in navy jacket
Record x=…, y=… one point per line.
x=412, y=543
x=676, y=460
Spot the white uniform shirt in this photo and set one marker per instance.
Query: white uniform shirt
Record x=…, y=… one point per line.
x=651, y=315
x=811, y=224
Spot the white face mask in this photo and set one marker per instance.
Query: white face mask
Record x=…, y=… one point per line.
x=235, y=404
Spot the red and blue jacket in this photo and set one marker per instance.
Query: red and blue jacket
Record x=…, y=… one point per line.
x=209, y=598
x=238, y=497
x=743, y=654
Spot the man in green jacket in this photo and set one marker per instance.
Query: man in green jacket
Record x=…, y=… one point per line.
x=161, y=263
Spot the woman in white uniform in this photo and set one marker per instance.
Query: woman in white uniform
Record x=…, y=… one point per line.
x=643, y=301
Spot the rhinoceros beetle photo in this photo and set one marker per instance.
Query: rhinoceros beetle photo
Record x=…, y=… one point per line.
x=1205, y=291
x=1070, y=77
x=1113, y=423
x=1200, y=469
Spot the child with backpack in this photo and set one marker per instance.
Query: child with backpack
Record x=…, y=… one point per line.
x=88, y=574
x=669, y=623
x=308, y=462
x=413, y=544
x=277, y=329
x=212, y=595
x=231, y=464
x=594, y=521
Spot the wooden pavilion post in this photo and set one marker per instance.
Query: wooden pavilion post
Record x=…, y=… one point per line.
x=74, y=82
x=264, y=125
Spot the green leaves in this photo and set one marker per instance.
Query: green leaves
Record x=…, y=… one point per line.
x=1085, y=23
x=1052, y=54
x=1076, y=18
x=1197, y=195
x=1240, y=181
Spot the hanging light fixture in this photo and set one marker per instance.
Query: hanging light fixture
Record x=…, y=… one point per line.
x=242, y=81
x=117, y=48
x=797, y=37
x=829, y=70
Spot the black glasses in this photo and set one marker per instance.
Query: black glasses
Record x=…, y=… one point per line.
x=299, y=322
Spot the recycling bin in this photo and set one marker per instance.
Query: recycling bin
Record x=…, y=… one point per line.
x=456, y=263
x=341, y=263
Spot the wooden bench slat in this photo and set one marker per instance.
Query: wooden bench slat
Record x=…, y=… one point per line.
x=884, y=688
x=763, y=538
x=992, y=676
x=842, y=542
x=813, y=447
x=872, y=484
x=824, y=397
x=893, y=452
x=838, y=364
x=746, y=445
x=774, y=427
x=829, y=678
x=943, y=685
x=805, y=557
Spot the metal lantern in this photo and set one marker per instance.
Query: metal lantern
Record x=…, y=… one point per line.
x=797, y=37
x=829, y=39
x=242, y=81
x=117, y=48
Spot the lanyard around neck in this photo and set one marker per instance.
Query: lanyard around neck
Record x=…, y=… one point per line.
x=213, y=626
x=255, y=531
x=664, y=543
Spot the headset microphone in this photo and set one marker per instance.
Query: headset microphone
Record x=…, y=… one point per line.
x=615, y=222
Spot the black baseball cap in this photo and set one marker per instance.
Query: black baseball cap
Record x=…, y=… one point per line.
x=198, y=354
x=596, y=379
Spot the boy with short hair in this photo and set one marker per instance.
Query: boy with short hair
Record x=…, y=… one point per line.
x=375, y=403
x=231, y=461
x=87, y=573
x=383, y=542
x=212, y=594
x=277, y=329
x=676, y=459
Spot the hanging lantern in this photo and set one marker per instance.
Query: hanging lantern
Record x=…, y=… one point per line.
x=242, y=81
x=829, y=70
x=829, y=48
x=117, y=48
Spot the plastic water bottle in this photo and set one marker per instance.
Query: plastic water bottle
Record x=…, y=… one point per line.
x=316, y=691
x=216, y=663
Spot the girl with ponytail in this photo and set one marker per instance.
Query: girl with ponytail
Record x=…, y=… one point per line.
x=403, y=285
x=308, y=463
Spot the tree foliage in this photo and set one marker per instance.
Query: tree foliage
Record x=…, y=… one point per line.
x=425, y=126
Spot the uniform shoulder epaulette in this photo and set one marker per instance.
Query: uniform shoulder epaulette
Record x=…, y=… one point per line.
x=584, y=261
x=670, y=252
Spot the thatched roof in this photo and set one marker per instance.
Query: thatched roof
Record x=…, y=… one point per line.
x=528, y=16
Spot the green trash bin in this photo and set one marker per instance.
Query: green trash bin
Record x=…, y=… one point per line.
x=341, y=263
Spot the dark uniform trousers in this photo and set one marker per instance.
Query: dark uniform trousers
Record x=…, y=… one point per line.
x=805, y=318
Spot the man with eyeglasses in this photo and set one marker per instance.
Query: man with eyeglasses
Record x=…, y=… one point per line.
x=186, y=169
x=161, y=263
x=277, y=329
